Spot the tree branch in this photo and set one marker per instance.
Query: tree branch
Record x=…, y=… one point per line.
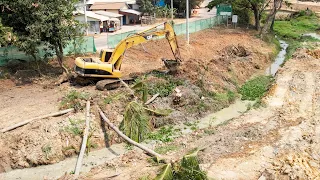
x=144, y=148
x=33, y=119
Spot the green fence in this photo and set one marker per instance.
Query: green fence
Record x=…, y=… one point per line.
x=194, y=26
x=113, y=40
x=79, y=46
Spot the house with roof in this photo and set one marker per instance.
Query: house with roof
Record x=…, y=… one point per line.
x=129, y=16
x=96, y=22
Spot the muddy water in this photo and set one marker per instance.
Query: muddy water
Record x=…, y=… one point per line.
x=274, y=67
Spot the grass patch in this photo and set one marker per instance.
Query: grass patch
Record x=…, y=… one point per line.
x=76, y=127
x=294, y=28
x=166, y=87
x=164, y=134
x=46, y=149
x=255, y=88
x=193, y=125
x=113, y=98
x=74, y=99
x=165, y=149
x=228, y=96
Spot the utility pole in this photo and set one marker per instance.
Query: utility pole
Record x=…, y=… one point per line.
x=85, y=15
x=171, y=10
x=187, y=21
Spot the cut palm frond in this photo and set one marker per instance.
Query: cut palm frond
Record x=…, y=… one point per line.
x=166, y=174
x=187, y=169
x=160, y=112
x=136, y=122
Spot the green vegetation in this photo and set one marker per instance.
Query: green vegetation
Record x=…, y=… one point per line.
x=164, y=88
x=46, y=149
x=136, y=123
x=74, y=99
x=75, y=127
x=228, y=96
x=164, y=134
x=47, y=23
x=292, y=30
x=187, y=168
x=166, y=148
x=193, y=125
x=113, y=98
x=255, y=88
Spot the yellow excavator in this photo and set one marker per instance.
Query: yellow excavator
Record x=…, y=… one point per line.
x=107, y=68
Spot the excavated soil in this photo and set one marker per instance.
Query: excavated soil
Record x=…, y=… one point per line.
x=213, y=61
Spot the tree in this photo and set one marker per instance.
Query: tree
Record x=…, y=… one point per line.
x=180, y=5
x=5, y=35
x=146, y=6
x=277, y=4
x=43, y=21
x=244, y=6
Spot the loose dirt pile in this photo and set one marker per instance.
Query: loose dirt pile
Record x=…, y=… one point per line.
x=218, y=58
x=213, y=62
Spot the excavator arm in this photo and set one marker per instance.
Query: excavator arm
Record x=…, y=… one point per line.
x=119, y=52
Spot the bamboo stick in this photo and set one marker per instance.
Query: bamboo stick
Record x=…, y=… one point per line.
x=33, y=119
x=84, y=141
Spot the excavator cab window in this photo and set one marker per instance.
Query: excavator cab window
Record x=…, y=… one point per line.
x=105, y=55
x=108, y=56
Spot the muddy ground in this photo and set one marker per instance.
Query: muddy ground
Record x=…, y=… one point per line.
x=279, y=141
x=210, y=66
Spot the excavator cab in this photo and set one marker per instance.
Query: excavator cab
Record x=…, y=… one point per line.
x=105, y=55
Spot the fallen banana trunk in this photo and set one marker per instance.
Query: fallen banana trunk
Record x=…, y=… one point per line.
x=37, y=118
x=144, y=148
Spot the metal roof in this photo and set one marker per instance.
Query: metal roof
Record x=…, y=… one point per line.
x=131, y=11
x=93, y=15
x=108, y=14
x=108, y=5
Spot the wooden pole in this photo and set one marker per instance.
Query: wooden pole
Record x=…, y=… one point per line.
x=84, y=141
x=152, y=99
x=33, y=119
x=149, y=151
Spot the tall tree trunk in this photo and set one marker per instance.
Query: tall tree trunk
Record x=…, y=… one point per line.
x=271, y=28
x=256, y=17
x=270, y=18
x=59, y=53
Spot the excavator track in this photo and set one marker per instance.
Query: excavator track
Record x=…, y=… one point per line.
x=109, y=84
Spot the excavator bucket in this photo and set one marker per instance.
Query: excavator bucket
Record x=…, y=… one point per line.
x=172, y=65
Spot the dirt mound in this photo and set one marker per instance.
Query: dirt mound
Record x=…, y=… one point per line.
x=235, y=51
x=314, y=53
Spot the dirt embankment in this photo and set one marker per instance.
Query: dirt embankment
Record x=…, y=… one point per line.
x=214, y=61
